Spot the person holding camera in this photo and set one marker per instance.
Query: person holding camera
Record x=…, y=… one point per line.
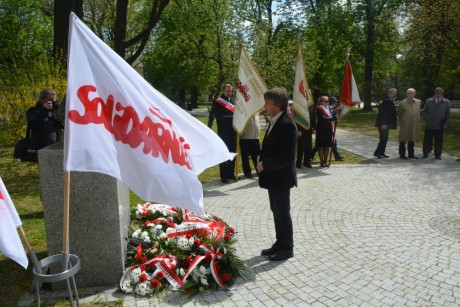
x=43, y=123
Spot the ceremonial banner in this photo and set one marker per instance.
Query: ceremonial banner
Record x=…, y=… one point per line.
x=10, y=243
x=250, y=90
x=118, y=124
x=302, y=96
x=349, y=97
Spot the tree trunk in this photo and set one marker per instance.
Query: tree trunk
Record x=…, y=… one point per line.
x=369, y=58
x=62, y=9
x=119, y=31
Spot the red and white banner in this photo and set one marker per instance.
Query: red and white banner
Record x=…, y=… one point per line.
x=250, y=90
x=118, y=124
x=349, y=97
x=10, y=243
x=301, y=95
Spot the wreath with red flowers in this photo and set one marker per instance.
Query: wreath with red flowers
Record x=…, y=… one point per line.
x=175, y=248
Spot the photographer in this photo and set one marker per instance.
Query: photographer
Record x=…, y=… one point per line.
x=45, y=127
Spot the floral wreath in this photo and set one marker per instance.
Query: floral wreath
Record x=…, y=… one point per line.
x=177, y=248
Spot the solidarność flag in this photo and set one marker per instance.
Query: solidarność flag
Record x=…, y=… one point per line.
x=118, y=124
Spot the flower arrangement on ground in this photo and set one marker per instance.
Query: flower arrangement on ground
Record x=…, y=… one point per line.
x=174, y=247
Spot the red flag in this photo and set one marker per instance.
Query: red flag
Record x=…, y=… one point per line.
x=349, y=97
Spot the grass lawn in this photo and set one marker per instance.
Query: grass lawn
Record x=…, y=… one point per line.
x=22, y=181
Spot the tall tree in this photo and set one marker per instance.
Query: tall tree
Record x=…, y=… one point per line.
x=62, y=9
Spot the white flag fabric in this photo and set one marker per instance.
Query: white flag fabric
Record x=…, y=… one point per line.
x=118, y=124
x=250, y=90
x=10, y=243
x=301, y=94
x=349, y=96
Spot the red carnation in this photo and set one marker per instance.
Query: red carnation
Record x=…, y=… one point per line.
x=188, y=236
x=160, y=275
x=172, y=266
x=152, y=264
x=188, y=259
x=226, y=277
x=232, y=230
x=227, y=237
x=196, y=242
x=142, y=277
x=143, y=267
x=215, y=217
x=144, y=259
x=208, y=257
x=139, y=253
x=154, y=283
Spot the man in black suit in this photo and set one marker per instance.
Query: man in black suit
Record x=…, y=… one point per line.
x=222, y=111
x=277, y=172
x=386, y=120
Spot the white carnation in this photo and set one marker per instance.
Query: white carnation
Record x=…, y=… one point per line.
x=158, y=226
x=144, y=234
x=127, y=287
x=162, y=235
x=136, y=234
x=183, y=243
x=204, y=281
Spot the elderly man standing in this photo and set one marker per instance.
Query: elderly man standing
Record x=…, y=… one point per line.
x=386, y=120
x=409, y=124
x=436, y=113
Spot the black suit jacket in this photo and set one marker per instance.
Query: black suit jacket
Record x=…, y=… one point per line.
x=387, y=114
x=278, y=154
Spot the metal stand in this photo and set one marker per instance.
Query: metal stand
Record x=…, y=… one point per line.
x=70, y=264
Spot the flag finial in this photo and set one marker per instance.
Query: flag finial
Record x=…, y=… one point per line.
x=299, y=38
x=348, y=52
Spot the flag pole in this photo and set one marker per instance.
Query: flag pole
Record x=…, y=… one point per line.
x=65, y=230
x=240, y=44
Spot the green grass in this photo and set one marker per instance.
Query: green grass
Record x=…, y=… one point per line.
x=22, y=181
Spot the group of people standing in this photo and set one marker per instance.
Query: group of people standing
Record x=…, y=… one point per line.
x=435, y=112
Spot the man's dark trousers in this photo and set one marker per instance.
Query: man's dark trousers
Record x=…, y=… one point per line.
x=280, y=206
x=304, y=150
x=381, y=147
x=249, y=148
x=437, y=134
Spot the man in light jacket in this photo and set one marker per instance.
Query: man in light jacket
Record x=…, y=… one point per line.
x=409, y=124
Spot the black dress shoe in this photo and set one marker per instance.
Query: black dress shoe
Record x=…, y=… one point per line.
x=425, y=156
x=224, y=180
x=307, y=165
x=379, y=156
x=438, y=158
x=269, y=251
x=403, y=157
x=281, y=255
x=413, y=158
x=232, y=177
x=339, y=158
x=298, y=166
x=385, y=156
x=248, y=175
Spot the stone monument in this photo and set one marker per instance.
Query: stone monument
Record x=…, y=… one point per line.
x=99, y=219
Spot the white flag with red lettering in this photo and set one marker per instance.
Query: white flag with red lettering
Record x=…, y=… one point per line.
x=118, y=124
x=250, y=90
x=10, y=243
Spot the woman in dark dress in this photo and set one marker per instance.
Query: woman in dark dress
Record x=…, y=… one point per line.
x=325, y=121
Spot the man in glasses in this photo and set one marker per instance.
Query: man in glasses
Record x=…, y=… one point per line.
x=436, y=113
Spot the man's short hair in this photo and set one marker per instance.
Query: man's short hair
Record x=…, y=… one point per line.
x=439, y=89
x=226, y=85
x=45, y=92
x=410, y=90
x=392, y=90
x=279, y=97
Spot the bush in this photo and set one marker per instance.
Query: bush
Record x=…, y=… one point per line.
x=20, y=86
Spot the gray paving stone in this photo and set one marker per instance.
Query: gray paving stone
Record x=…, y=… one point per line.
x=382, y=234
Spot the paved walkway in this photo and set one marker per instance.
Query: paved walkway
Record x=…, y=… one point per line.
x=379, y=234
